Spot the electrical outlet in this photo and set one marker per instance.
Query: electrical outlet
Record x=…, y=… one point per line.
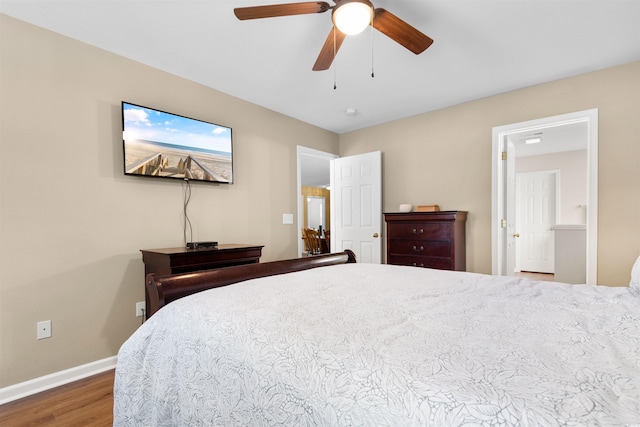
x=44, y=329
x=140, y=309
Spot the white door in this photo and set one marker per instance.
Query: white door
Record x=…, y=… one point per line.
x=356, y=206
x=536, y=213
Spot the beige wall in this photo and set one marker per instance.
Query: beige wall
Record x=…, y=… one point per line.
x=72, y=225
x=444, y=157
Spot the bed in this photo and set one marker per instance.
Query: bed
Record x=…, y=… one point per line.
x=336, y=343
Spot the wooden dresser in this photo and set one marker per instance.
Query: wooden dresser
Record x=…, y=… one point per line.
x=427, y=239
x=164, y=262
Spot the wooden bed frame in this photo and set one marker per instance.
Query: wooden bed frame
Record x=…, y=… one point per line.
x=162, y=290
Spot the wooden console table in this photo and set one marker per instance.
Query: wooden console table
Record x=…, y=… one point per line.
x=164, y=262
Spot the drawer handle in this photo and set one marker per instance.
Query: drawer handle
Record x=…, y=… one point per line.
x=415, y=248
x=416, y=231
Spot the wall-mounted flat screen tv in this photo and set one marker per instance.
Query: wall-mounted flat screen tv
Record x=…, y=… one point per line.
x=161, y=144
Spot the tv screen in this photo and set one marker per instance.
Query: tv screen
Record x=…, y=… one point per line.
x=161, y=144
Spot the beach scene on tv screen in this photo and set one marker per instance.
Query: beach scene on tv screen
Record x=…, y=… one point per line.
x=163, y=144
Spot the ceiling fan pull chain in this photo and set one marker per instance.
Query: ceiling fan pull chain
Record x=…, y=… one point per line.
x=372, y=74
x=334, y=58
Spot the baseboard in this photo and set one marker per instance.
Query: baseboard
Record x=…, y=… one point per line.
x=36, y=385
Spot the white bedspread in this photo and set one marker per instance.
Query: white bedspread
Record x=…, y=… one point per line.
x=362, y=344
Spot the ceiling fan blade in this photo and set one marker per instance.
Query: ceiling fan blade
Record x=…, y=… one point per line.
x=327, y=53
x=270, y=11
x=398, y=30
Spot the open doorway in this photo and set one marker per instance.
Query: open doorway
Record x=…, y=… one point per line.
x=314, y=176
x=354, y=214
x=510, y=139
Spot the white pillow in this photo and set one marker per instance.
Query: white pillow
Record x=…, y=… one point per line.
x=634, y=284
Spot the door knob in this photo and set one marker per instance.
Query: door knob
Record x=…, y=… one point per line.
x=516, y=235
x=375, y=235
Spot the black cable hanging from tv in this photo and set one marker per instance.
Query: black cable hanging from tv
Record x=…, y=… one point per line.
x=186, y=193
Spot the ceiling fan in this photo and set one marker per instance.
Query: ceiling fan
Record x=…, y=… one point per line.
x=345, y=13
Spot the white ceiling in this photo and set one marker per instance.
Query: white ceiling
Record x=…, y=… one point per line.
x=481, y=48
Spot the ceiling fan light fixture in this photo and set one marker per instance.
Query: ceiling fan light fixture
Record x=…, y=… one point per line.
x=352, y=16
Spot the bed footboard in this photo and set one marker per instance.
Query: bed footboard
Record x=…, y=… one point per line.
x=162, y=290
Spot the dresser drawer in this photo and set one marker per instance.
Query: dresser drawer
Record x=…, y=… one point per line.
x=440, y=263
x=439, y=248
x=417, y=230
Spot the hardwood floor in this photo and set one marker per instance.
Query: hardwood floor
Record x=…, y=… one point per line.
x=87, y=402
x=547, y=277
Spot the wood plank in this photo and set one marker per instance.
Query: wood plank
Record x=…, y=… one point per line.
x=85, y=402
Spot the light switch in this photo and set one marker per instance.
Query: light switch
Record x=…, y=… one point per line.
x=287, y=218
